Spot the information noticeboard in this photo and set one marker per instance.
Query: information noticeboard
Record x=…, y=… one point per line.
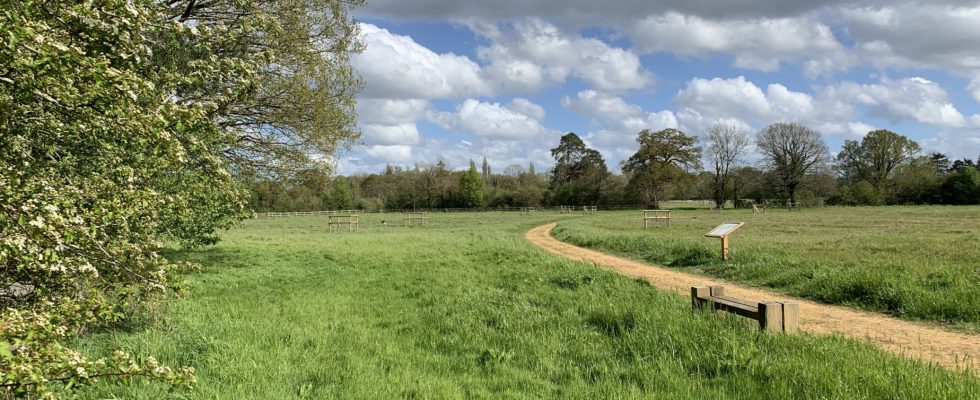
x=724, y=229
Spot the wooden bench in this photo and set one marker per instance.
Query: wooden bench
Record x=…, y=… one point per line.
x=565, y=209
x=527, y=210
x=415, y=218
x=656, y=216
x=758, y=209
x=793, y=206
x=339, y=220
x=772, y=316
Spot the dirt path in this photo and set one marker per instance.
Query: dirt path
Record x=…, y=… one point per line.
x=955, y=351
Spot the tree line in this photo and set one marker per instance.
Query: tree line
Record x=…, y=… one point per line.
x=795, y=167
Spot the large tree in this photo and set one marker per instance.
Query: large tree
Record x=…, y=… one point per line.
x=665, y=158
x=792, y=150
x=726, y=142
x=875, y=158
x=293, y=98
x=579, y=172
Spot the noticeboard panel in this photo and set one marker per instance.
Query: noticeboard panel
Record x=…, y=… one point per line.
x=724, y=229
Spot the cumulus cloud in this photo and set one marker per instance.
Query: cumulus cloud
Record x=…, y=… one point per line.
x=916, y=34
x=396, y=153
x=526, y=107
x=616, y=114
x=390, y=121
x=703, y=102
x=585, y=12
x=974, y=87
x=405, y=133
x=760, y=44
x=489, y=120
x=395, y=66
x=910, y=98
x=532, y=53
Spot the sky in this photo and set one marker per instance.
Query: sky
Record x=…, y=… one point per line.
x=460, y=80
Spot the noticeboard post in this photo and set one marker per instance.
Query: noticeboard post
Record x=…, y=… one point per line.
x=722, y=231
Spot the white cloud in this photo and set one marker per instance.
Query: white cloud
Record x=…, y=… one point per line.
x=585, y=12
x=489, y=120
x=390, y=121
x=910, y=98
x=395, y=66
x=616, y=114
x=760, y=44
x=527, y=107
x=390, y=111
x=974, y=87
x=406, y=134
x=397, y=153
x=704, y=102
x=916, y=34
x=725, y=98
x=533, y=53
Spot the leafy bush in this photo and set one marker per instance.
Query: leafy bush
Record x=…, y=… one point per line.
x=102, y=161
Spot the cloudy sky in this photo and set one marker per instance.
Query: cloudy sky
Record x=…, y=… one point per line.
x=456, y=80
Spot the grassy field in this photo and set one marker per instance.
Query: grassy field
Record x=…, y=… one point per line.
x=464, y=307
x=919, y=263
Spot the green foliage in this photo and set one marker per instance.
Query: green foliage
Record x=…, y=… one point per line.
x=472, y=191
x=875, y=158
x=862, y=193
x=579, y=172
x=341, y=196
x=298, y=100
x=119, y=126
x=962, y=187
x=663, y=160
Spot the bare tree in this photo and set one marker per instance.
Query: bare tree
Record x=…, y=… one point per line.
x=725, y=143
x=792, y=150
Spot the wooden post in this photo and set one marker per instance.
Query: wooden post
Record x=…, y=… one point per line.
x=791, y=316
x=771, y=317
x=698, y=292
x=724, y=248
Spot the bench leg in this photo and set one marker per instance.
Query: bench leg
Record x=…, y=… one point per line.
x=791, y=317
x=698, y=293
x=771, y=317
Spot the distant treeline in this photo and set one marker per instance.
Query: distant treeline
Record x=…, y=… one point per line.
x=882, y=168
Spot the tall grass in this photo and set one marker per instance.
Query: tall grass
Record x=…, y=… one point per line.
x=913, y=262
x=463, y=307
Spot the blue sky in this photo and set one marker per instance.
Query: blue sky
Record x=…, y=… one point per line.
x=460, y=80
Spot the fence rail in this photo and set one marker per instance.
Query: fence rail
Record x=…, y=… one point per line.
x=430, y=210
x=556, y=208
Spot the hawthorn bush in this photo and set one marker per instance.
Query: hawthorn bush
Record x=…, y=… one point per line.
x=117, y=134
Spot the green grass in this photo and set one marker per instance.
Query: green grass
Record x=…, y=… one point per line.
x=920, y=263
x=465, y=308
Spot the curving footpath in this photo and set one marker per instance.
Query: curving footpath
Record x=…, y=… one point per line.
x=952, y=350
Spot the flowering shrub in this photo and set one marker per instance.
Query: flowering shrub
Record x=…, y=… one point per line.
x=102, y=161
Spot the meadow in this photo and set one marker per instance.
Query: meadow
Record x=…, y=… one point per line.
x=464, y=307
x=919, y=263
